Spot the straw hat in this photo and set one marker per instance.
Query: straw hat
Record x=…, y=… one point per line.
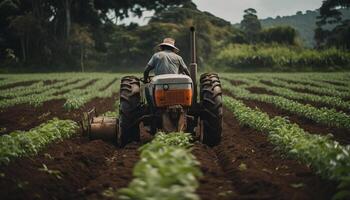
x=169, y=42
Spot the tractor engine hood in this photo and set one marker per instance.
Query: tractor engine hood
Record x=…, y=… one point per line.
x=171, y=79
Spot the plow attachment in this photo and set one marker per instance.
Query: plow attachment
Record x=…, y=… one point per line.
x=100, y=127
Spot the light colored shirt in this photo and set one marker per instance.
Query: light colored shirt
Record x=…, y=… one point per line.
x=166, y=62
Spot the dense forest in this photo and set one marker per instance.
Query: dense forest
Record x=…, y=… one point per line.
x=79, y=35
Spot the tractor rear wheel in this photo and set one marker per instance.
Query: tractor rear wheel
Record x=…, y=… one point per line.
x=129, y=110
x=212, y=113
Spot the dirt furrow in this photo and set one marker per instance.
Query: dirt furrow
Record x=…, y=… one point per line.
x=25, y=117
x=71, y=164
x=76, y=168
x=109, y=84
x=214, y=184
x=259, y=90
x=340, y=135
x=20, y=83
x=258, y=172
x=116, y=174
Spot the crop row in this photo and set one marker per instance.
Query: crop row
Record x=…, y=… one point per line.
x=166, y=170
x=311, y=80
x=33, y=89
x=299, y=86
x=317, y=82
x=326, y=116
x=26, y=143
x=77, y=98
x=325, y=156
x=38, y=99
x=9, y=79
x=290, y=94
x=76, y=92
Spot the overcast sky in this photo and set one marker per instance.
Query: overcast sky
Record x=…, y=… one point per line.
x=232, y=10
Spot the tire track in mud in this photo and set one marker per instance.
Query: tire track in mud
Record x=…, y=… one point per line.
x=214, y=184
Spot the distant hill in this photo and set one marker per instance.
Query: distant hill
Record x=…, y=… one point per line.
x=304, y=23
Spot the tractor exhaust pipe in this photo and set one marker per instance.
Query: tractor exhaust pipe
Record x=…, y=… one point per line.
x=193, y=65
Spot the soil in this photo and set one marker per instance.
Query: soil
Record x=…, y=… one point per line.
x=259, y=90
x=25, y=117
x=13, y=85
x=109, y=84
x=335, y=83
x=243, y=166
x=237, y=82
x=340, y=135
x=85, y=85
x=294, y=89
x=50, y=82
x=86, y=168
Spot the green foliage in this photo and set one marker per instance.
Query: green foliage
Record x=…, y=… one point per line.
x=280, y=34
x=76, y=89
x=330, y=117
x=141, y=42
x=167, y=170
x=42, y=32
x=326, y=157
x=251, y=25
x=303, y=23
x=281, y=58
x=336, y=102
x=22, y=143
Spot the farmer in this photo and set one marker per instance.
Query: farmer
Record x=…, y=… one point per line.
x=166, y=61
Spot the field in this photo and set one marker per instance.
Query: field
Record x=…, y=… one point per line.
x=285, y=136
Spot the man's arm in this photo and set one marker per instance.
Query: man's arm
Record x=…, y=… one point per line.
x=183, y=67
x=146, y=72
x=149, y=67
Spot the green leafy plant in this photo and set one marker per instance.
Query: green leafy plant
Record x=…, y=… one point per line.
x=166, y=170
x=325, y=156
x=330, y=117
x=26, y=143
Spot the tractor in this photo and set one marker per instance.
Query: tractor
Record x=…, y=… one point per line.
x=171, y=106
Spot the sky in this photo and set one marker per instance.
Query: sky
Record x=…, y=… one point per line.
x=232, y=10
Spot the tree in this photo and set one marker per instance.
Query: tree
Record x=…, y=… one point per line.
x=330, y=14
x=251, y=24
x=279, y=34
x=26, y=27
x=83, y=39
x=20, y=21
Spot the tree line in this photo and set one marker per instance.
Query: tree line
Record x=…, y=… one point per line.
x=55, y=34
x=84, y=35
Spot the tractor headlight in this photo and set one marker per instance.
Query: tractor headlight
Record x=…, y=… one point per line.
x=166, y=87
